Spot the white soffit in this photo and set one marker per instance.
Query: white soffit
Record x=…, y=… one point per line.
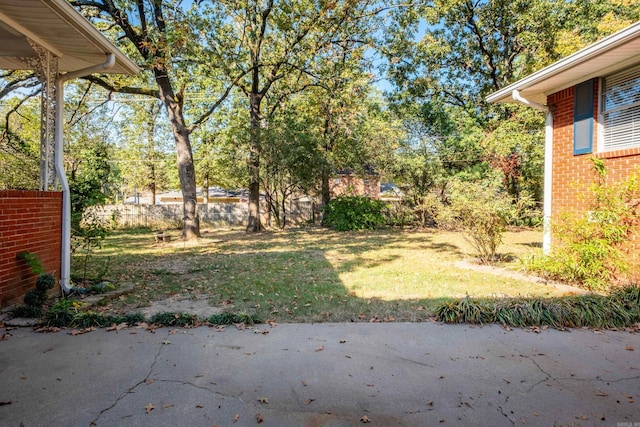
x=58, y=27
x=613, y=53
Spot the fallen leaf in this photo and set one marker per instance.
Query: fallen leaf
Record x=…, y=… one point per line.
x=259, y=418
x=582, y=417
x=199, y=406
x=320, y=348
x=236, y=418
x=24, y=378
x=430, y=403
x=75, y=332
x=629, y=348
x=365, y=419
x=535, y=414
x=149, y=408
x=602, y=394
x=168, y=405
x=5, y=336
x=308, y=401
x=149, y=381
x=173, y=331
x=263, y=400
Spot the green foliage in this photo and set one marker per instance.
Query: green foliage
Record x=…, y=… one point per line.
x=591, y=248
x=482, y=212
x=19, y=139
x=354, y=213
x=33, y=261
x=174, y=319
x=87, y=237
x=66, y=313
x=232, y=318
x=617, y=310
x=61, y=314
x=35, y=298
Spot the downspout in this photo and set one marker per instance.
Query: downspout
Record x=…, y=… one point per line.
x=548, y=166
x=65, y=261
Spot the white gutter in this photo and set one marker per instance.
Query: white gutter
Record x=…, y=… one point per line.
x=548, y=167
x=65, y=262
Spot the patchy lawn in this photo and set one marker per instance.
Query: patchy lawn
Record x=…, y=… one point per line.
x=312, y=275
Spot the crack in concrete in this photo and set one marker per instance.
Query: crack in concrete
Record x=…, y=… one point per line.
x=513, y=423
x=200, y=387
x=130, y=389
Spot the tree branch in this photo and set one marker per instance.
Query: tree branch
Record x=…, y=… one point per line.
x=122, y=89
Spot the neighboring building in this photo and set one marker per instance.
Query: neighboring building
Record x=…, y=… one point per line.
x=347, y=183
x=592, y=102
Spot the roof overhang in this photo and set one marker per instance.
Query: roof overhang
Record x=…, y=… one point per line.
x=611, y=54
x=58, y=27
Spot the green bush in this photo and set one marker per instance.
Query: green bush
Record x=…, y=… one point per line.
x=482, y=212
x=354, y=213
x=590, y=249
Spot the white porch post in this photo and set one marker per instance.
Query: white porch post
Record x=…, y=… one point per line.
x=548, y=182
x=45, y=65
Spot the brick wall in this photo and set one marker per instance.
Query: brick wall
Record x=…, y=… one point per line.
x=573, y=174
x=353, y=185
x=29, y=221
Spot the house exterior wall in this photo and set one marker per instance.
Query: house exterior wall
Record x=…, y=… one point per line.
x=29, y=221
x=354, y=185
x=572, y=174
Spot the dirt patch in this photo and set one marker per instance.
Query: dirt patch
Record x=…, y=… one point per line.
x=503, y=272
x=177, y=304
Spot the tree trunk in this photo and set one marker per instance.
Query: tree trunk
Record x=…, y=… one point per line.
x=253, y=223
x=205, y=189
x=186, y=169
x=326, y=192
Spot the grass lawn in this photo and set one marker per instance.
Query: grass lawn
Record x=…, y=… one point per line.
x=310, y=275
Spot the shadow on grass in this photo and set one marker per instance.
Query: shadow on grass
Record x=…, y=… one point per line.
x=287, y=277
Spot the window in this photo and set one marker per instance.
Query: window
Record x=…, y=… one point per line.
x=583, y=118
x=621, y=110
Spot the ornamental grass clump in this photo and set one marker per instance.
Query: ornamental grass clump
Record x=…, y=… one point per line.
x=619, y=309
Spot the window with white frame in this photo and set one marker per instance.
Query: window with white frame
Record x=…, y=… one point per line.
x=621, y=110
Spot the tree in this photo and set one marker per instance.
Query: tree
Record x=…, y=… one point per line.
x=266, y=41
x=19, y=144
x=143, y=157
x=167, y=41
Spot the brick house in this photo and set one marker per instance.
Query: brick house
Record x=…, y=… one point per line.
x=51, y=38
x=592, y=104
x=350, y=184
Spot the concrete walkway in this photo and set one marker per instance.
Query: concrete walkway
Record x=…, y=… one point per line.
x=394, y=374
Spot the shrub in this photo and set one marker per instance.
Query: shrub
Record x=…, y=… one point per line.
x=591, y=249
x=354, y=213
x=482, y=212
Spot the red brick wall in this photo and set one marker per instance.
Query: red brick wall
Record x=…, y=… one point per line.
x=353, y=185
x=29, y=221
x=572, y=174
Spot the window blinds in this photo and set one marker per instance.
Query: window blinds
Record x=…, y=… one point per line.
x=621, y=110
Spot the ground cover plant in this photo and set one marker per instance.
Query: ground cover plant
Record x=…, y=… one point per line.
x=313, y=274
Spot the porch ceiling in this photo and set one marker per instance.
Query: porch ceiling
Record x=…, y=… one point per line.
x=58, y=27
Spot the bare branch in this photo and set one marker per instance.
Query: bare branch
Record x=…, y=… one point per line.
x=122, y=89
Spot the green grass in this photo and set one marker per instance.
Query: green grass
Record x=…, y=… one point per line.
x=311, y=275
